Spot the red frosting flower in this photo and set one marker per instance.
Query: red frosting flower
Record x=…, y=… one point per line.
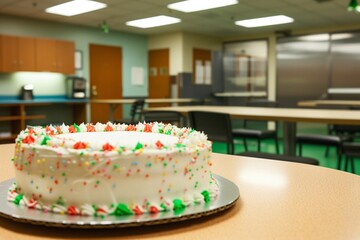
x=72, y=129
x=159, y=145
x=137, y=210
x=153, y=209
x=147, y=128
x=31, y=131
x=108, y=128
x=131, y=128
x=28, y=139
x=49, y=131
x=58, y=129
x=80, y=145
x=108, y=147
x=90, y=128
x=72, y=210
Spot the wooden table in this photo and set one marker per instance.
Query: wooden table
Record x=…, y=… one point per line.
x=289, y=117
x=278, y=200
x=114, y=103
x=329, y=103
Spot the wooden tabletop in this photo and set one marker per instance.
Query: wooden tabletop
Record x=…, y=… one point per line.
x=147, y=100
x=334, y=103
x=277, y=114
x=278, y=200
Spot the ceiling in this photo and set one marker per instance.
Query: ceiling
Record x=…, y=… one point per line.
x=308, y=14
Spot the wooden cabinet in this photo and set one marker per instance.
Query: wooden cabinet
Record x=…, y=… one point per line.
x=55, y=56
x=36, y=54
x=17, y=53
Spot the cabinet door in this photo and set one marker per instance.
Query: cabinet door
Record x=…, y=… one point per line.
x=9, y=53
x=26, y=54
x=65, y=58
x=45, y=55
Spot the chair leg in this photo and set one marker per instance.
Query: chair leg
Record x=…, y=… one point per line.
x=340, y=159
x=245, y=144
x=277, y=145
x=327, y=151
x=352, y=165
x=300, y=149
x=259, y=145
x=347, y=159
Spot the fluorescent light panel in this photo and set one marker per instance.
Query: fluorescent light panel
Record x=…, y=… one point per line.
x=153, y=21
x=75, y=7
x=198, y=5
x=265, y=21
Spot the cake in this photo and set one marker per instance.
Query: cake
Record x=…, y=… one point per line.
x=112, y=169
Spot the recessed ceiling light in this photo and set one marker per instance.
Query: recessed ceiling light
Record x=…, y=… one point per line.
x=265, y=21
x=75, y=7
x=198, y=5
x=153, y=21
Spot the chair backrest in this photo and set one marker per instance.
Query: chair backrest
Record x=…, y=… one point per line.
x=136, y=110
x=172, y=117
x=217, y=126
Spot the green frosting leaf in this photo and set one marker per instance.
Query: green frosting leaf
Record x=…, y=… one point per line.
x=45, y=139
x=206, y=196
x=138, y=146
x=76, y=127
x=18, y=198
x=121, y=210
x=178, y=205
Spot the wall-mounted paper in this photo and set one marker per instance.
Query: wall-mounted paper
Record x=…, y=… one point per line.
x=207, y=72
x=137, y=76
x=199, y=69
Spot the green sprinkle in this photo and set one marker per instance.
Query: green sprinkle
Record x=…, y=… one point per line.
x=82, y=154
x=63, y=174
x=164, y=164
x=97, y=182
x=121, y=210
x=116, y=166
x=148, y=164
x=60, y=201
x=12, y=159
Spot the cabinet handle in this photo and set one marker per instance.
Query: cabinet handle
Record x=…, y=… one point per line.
x=94, y=92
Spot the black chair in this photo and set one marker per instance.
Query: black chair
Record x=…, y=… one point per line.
x=280, y=157
x=351, y=150
x=171, y=117
x=217, y=126
x=247, y=133
x=323, y=140
x=135, y=112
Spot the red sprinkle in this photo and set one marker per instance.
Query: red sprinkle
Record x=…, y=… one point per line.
x=72, y=129
x=72, y=210
x=131, y=128
x=153, y=209
x=147, y=128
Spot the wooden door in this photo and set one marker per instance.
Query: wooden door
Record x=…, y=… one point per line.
x=105, y=80
x=159, y=78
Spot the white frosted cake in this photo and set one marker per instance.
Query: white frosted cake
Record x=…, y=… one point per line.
x=112, y=169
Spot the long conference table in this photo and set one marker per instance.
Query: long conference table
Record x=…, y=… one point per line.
x=289, y=117
x=330, y=103
x=278, y=200
x=114, y=103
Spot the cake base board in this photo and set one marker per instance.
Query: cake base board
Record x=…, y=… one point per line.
x=228, y=195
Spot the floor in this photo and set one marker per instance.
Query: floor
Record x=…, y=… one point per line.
x=317, y=152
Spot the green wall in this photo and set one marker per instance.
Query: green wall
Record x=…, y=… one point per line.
x=134, y=49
